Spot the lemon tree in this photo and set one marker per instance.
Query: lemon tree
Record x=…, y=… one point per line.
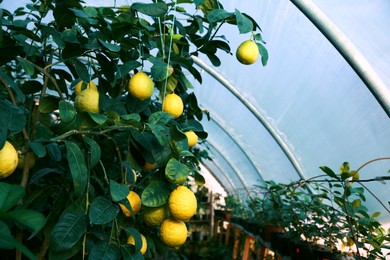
x=99, y=98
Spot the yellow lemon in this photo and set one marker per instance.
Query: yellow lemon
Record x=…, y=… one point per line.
x=182, y=203
x=173, y=233
x=192, y=138
x=141, y=86
x=31, y=160
x=172, y=104
x=135, y=203
x=8, y=160
x=144, y=247
x=154, y=216
x=247, y=53
x=87, y=101
x=78, y=88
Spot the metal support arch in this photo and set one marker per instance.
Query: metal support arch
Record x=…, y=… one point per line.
x=348, y=50
x=282, y=144
x=218, y=122
x=237, y=171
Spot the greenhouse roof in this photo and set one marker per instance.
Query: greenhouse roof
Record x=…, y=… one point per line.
x=322, y=99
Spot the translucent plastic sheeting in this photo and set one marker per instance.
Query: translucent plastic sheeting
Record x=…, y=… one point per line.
x=309, y=94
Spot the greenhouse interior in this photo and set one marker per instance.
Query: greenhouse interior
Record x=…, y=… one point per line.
x=195, y=129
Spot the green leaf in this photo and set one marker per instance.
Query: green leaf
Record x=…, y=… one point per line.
x=176, y=172
x=37, y=148
x=155, y=194
x=126, y=67
x=110, y=46
x=67, y=111
x=199, y=179
x=159, y=118
x=158, y=72
x=159, y=133
x=329, y=172
x=198, y=2
x=154, y=9
x=10, y=194
x=264, y=54
x=68, y=231
x=82, y=70
x=98, y=118
x=30, y=218
x=94, y=151
x=344, y=168
x=7, y=241
x=26, y=66
x=104, y=250
x=118, y=191
x=137, y=237
x=356, y=203
x=48, y=104
x=218, y=15
x=376, y=214
x=102, y=211
x=78, y=167
x=11, y=117
x=244, y=24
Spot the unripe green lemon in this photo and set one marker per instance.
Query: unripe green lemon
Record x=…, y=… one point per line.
x=247, y=53
x=141, y=86
x=154, y=216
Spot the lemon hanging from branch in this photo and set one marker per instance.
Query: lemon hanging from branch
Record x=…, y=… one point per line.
x=88, y=100
x=248, y=52
x=173, y=104
x=8, y=160
x=141, y=86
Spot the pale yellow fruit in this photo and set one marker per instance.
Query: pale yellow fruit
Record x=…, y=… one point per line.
x=154, y=216
x=31, y=161
x=87, y=101
x=172, y=104
x=135, y=203
x=247, y=53
x=141, y=86
x=78, y=88
x=170, y=70
x=192, y=138
x=144, y=247
x=173, y=233
x=8, y=160
x=182, y=203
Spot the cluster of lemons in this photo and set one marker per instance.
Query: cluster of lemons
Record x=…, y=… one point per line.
x=171, y=218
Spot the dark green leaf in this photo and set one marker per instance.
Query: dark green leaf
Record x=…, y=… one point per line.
x=102, y=211
x=67, y=111
x=199, y=179
x=344, y=168
x=98, y=118
x=218, y=15
x=198, y=2
x=54, y=152
x=108, y=67
x=118, y=191
x=82, y=70
x=27, y=66
x=32, y=219
x=37, y=148
x=160, y=118
x=68, y=231
x=176, y=172
x=155, y=194
x=7, y=241
x=244, y=24
x=78, y=167
x=137, y=237
x=126, y=67
x=159, y=73
x=159, y=133
x=154, y=9
x=329, y=172
x=48, y=104
x=10, y=194
x=110, y=46
x=104, y=250
x=11, y=117
x=94, y=151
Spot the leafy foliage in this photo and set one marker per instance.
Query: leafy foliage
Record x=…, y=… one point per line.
x=86, y=163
